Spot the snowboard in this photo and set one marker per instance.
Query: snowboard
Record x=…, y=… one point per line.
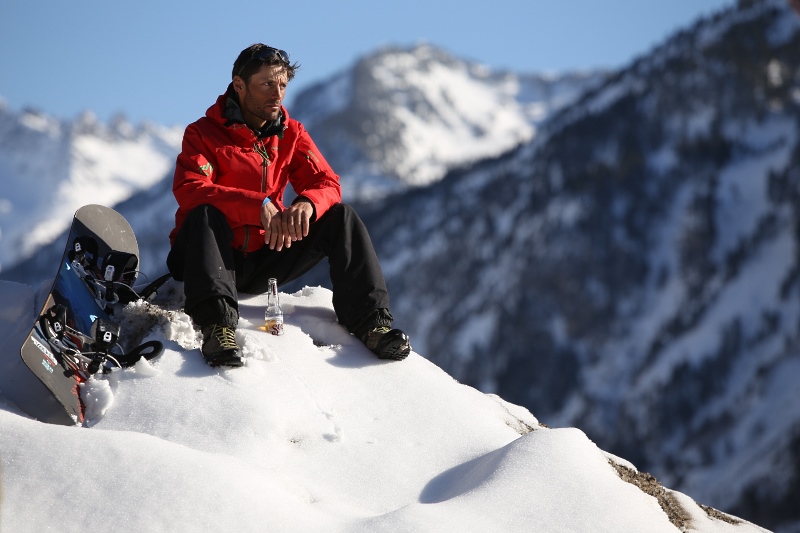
x=74, y=335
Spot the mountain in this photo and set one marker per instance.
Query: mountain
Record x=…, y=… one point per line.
x=49, y=168
x=634, y=270
x=313, y=434
x=404, y=117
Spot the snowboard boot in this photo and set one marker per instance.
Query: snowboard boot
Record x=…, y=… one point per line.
x=216, y=318
x=219, y=346
x=387, y=343
x=375, y=331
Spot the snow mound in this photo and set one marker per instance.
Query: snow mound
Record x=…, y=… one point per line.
x=312, y=434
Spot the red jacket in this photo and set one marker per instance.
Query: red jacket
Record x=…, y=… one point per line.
x=221, y=164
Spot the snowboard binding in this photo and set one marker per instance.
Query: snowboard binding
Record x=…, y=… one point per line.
x=112, y=279
x=85, y=355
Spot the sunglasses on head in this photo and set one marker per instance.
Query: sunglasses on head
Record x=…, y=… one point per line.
x=265, y=54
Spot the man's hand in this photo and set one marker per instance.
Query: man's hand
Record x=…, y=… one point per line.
x=281, y=229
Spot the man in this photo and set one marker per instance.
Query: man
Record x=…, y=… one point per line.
x=232, y=231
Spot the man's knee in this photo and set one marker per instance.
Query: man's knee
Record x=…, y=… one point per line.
x=204, y=212
x=206, y=218
x=343, y=213
x=204, y=228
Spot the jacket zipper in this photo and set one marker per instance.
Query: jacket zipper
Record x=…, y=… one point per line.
x=265, y=162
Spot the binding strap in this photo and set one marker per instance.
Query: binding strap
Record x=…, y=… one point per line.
x=120, y=266
x=84, y=251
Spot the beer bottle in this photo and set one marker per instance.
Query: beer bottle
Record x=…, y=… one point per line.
x=273, y=315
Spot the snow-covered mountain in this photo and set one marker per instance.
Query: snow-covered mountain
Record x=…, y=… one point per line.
x=49, y=168
x=406, y=116
x=635, y=270
x=312, y=434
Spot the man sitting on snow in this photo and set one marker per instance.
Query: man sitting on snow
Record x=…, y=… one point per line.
x=232, y=231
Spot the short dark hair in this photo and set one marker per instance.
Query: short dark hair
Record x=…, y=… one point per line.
x=255, y=56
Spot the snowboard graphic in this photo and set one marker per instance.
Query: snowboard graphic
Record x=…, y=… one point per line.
x=74, y=334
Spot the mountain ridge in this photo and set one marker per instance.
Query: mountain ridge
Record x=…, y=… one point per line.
x=393, y=109
x=49, y=166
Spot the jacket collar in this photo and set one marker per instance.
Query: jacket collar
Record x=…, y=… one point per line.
x=229, y=111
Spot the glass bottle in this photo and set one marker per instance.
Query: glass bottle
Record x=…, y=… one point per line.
x=273, y=314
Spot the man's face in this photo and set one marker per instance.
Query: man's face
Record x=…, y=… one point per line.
x=262, y=96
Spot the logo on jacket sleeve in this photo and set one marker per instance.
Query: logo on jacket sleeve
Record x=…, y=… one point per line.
x=206, y=169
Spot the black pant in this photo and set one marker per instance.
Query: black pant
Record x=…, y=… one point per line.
x=204, y=260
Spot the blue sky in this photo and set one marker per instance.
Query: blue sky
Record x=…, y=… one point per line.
x=166, y=61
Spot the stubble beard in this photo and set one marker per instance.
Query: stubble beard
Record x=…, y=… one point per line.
x=259, y=112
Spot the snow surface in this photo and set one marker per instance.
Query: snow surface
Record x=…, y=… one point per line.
x=312, y=434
